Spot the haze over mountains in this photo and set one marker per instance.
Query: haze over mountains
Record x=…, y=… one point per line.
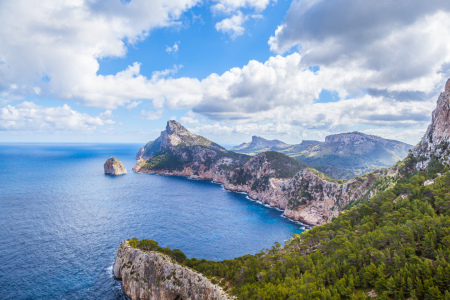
x=340, y=156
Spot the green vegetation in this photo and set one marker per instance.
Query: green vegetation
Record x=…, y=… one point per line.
x=397, y=243
x=151, y=245
x=324, y=177
x=284, y=166
x=164, y=161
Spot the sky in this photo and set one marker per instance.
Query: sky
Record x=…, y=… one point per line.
x=114, y=71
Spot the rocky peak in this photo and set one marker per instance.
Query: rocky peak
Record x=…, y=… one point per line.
x=435, y=142
x=173, y=127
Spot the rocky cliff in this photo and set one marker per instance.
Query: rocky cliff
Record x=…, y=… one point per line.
x=341, y=156
x=271, y=177
x=150, y=275
x=435, y=143
x=259, y=144
x=113, y=166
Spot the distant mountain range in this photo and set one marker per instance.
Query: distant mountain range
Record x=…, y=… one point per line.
x=340, y=156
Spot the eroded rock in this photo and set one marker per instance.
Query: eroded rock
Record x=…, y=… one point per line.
x=113, y=166
x=150, y=275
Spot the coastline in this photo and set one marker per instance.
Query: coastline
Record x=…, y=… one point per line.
x=303, y=223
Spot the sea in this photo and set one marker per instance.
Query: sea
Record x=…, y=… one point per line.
x=62, y=219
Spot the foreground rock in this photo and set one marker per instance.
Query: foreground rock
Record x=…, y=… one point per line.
x=152, y=275
x=113, y=166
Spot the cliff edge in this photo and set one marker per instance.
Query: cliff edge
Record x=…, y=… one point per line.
x=150, y=275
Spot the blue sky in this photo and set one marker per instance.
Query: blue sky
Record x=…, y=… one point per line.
x=112, y=71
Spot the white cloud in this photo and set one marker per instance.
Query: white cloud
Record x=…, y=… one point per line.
x=63, y=40
x=133, y=104
x=28, y=116
x=233, y=25
x=174, y=49
x=229, y=6
x=151, y=115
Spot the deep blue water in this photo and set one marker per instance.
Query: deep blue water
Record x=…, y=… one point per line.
x=61, y=219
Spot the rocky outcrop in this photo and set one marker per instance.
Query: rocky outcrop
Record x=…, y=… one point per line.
x=113, y=166
x=435, y=143
x=259, y=143
x=272, y=178
x=150, y=275
x=175, y=135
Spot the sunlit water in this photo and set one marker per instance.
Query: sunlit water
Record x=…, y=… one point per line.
x=62, y=219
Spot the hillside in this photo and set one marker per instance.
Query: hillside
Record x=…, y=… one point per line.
x=344, y=155
x=259, y=144
x=392, y=242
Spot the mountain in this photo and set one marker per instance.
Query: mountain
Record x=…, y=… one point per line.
x=390, y=241
x=434, y=146
x=341, y=156
x=259, y=144
x=175, y=135
x=271, y=177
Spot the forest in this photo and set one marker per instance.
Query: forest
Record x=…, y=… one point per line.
x=395, y=245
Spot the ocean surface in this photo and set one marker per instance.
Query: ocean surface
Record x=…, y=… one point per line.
x=61, y=219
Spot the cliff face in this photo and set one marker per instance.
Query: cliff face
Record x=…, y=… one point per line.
x=174, y=136
x=435, y=142
x=113, y=166
x=258, y=143
x=154, y=276
x=270, y=177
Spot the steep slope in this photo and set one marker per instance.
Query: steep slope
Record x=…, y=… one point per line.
x=271, y=177
x=393, y=242
x=259, y=144
x=434, y=145
x=342, y=155
x=175, y=135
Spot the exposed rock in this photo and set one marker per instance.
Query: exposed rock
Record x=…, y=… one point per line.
x=150, y=275
x=259, y=143
x=435, y=142
x=270, y=177
x=175, y=135
x=342, y=155
x=428, y=182
x=113, y=166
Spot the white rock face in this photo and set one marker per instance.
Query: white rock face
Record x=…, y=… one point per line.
x=114, y=167
x=150, y=275
x=428, y=182
x=435, y=142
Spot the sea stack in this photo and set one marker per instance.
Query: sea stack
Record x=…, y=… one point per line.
x=113, y=166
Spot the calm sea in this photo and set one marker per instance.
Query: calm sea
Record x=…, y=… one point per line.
x=61, y=219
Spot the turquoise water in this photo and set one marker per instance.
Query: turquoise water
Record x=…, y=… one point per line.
x=62, y=219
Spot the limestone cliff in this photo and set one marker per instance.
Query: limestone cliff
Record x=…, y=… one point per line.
x=150, y=275
x=435, y=143
x=113, y=166
x=271, y=177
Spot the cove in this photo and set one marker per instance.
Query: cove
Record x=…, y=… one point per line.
x=62, y=219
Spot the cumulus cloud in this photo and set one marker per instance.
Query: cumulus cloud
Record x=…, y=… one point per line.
x=229, y=6
x=55, y=45
x=29, y=116
x=233, y=25
x=133, y=104
x=397, y=46
x=151, y=115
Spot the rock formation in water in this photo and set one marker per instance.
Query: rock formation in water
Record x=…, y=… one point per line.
x=113, y=166
x=150, y=275
x=435, y=143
